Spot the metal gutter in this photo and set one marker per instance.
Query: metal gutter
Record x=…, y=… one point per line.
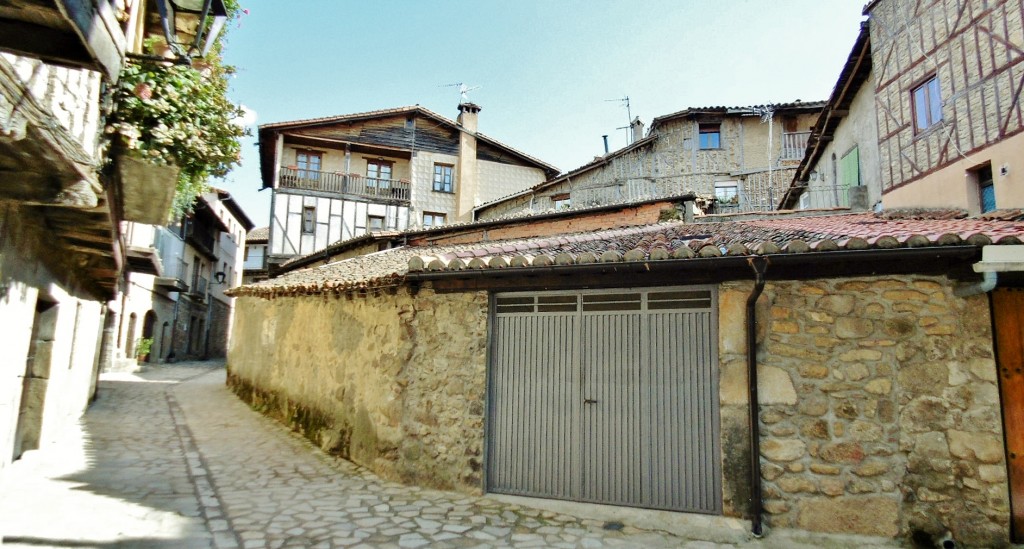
x=734, y=267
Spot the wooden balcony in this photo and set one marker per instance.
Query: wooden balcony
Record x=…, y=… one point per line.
x=370, y=188
x=794, y=144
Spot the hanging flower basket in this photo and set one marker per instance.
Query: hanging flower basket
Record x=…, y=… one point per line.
x=147, y=188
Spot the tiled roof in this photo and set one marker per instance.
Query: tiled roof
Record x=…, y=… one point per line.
x=662, y=241
x=811, y=105
x=261, y=234
x=402, y=110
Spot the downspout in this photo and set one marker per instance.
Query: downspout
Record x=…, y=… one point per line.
x=984, y=286
x=759, y=265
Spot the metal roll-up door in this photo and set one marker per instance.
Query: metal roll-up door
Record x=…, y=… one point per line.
x=606, y=397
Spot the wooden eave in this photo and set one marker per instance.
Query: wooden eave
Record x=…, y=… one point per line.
x=354, y=146
x=76, y=33
x=852, y=77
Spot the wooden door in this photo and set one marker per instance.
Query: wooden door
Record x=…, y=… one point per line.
x=1008, y=313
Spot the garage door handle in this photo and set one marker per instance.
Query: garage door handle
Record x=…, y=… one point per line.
x=589, y=401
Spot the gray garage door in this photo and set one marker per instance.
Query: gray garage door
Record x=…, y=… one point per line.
x=606, y=397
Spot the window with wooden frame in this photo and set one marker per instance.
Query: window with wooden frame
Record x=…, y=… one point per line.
x=926, y=100
x=378, y=174
x=308, y=219
x=433, y=219
x=309, y=164
x=561, y=201
x=375, y=223
x=710, y=135
x=443, y=182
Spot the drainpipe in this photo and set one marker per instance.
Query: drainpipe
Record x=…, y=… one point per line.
x=759, y=265
x=984, y=286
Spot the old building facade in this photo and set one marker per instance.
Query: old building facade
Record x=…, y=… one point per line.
x=340, y=177
x=743, y=157
x=877, y=411
x=179, y=306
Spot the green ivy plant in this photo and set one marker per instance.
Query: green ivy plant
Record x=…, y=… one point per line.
x=143, y=346
x=181, y=115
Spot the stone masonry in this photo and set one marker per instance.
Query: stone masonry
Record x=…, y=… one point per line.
x=393, y=381
x=879, y=408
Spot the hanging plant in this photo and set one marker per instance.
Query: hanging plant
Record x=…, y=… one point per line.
x=180, y=115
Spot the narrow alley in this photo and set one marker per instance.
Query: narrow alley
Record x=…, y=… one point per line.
x=169, y=458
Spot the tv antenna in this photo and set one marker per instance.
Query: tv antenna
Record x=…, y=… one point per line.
x=624, y=102
x=463, y=90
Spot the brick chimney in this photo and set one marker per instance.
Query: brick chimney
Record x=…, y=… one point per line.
x=467, y=187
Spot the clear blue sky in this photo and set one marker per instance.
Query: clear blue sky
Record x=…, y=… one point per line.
x=546, y=67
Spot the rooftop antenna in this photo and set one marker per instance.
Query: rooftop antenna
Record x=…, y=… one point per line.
x=463, y=90
x=624, y=102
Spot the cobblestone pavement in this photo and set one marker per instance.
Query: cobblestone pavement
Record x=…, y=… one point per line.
x=170, y=458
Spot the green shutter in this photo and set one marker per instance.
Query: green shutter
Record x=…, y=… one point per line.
x=849, y=169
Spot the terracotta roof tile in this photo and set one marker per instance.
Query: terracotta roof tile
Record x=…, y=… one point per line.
x=668, y=240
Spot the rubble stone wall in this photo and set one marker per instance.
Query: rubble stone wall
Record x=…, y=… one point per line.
x=879, y=407
x=395, y=382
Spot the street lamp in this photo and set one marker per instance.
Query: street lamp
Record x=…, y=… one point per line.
x=185, y=19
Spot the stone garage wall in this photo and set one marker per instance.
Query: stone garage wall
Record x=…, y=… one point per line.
x=395, y=382
x=879, y=408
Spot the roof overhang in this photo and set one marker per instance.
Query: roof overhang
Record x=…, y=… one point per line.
x=77, y=33
x=953, y=261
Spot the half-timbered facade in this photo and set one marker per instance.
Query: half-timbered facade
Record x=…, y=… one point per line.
x=948, y=76
x=340, y=177
x=743, y=157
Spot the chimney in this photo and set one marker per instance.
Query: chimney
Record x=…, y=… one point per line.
x=605, y=137
x=467, y=189
x=636, y=130
x=467, y=116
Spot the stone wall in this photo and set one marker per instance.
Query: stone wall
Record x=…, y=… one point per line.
x=879, y=408
x=395, y=382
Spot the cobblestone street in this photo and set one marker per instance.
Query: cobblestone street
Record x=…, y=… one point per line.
x=170, y=458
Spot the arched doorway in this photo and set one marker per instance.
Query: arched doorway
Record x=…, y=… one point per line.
x=148, y=326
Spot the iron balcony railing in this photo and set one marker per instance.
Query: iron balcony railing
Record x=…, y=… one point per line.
x=794, y=144
x=352, y=184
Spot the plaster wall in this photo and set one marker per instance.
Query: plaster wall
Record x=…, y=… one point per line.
x=424, y=197
x=72, y=96
x=955, y=185
x=857, y=129
x=65, y=359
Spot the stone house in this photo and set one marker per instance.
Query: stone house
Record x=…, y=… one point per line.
x=180, y=301
x=929, y=104
x=339, y=177
x=64, y=251
x=851, y=359
x=743, y=157
x=255, y=264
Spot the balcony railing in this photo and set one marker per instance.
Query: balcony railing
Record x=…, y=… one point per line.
x=354, y=184
x=794, y=144
x=199, y=288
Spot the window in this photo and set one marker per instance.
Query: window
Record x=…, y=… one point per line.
x=308, y=219
x=561, y=201
x=986, y=189
x=309, y=163
x=849, y=169
x=805, y=200
x=375, y=223
x=431, y=219
x=443, y=178
x=378, y=174
x=927, y=104
x=727, y=192
x=710, y=136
